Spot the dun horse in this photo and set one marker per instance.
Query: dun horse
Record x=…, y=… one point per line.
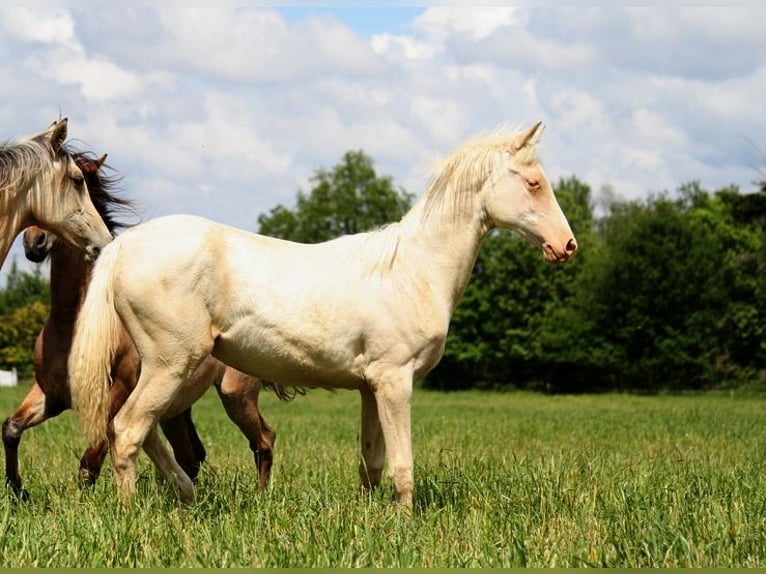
x=40, y=184
x=368, y=311
x=49, y=395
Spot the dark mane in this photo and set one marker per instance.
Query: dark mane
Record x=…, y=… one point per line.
x=103, y=184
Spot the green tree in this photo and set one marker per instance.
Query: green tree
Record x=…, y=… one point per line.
x=668, y=300
x=23, y=310
x=349, y=198
x=22, y=288
x=18, y=332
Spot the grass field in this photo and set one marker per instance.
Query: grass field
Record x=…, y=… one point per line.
x=510, y=479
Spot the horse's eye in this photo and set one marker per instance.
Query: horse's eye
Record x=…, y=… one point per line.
x=78, y=180
x=533, y=184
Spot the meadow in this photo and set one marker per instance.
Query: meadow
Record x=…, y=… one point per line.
x=501, y=479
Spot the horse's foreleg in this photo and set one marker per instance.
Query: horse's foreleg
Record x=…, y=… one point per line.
x=187, y=447
x=35, y=408
x=373, y=445
x=239, y=395
x=393, y=395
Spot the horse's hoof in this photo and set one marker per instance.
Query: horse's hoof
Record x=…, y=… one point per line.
x=18, y=494
x=87, y=478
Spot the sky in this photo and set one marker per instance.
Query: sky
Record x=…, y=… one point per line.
x=226, y=112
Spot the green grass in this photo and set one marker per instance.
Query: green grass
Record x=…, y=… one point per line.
x=510, y=479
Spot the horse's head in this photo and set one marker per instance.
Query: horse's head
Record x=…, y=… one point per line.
x=37, y=243
x=518, y=196
x=62, y=202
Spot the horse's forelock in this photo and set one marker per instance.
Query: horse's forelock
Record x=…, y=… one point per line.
x=19, y=161
x=464, y=172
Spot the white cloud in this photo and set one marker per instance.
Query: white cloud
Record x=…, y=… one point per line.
x=398, y=47
x=98, y=80
x=226, y=112
x=259, y=46
x=476, y=23
x=38, y=25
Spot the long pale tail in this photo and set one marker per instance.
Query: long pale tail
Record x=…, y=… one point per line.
x=96, y=337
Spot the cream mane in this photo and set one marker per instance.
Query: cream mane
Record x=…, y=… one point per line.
x=465, y=170
x=19, y=162
x=456, y=178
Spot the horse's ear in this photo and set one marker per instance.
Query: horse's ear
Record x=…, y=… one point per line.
x=527, y=137
x=92, y=166
x=58, y=133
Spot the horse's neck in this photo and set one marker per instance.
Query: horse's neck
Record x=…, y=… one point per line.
x=70, y=274
x=448, y=239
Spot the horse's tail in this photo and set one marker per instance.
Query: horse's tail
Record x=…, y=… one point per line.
x=96, y=337
x=283, y=393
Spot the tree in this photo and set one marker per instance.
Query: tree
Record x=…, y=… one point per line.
x=18, y=333
x=668, y=301
x=23, y=310
x=350, y=198
x=22, y=288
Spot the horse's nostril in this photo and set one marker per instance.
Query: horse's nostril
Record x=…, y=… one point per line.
x=42, y=239
x=571, y=246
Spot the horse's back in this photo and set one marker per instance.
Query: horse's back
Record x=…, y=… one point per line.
x=284, y=311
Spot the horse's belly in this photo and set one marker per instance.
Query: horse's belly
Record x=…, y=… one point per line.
x=290, y=361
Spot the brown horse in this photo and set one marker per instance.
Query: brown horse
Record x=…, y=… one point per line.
x=50, y=395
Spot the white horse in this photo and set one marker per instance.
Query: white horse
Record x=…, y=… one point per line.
x=368, y=311
x=40, y=184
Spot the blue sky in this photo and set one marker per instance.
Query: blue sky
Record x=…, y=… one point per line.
x=227, y=112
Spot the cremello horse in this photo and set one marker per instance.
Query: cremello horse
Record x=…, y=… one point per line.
x=40, y=184
x=368, y=311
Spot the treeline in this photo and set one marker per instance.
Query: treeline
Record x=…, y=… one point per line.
x=664, y=294
x=667, y=293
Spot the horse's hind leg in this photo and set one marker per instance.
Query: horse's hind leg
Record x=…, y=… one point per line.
x=239, y=395
x=373, y=445
x=136, y=421
x=92, y=461
x=185, y=442
x=35, y=408
x=168, y=466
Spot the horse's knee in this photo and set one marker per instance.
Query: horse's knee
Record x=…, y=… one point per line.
x=11, y=432
x=269, y=435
